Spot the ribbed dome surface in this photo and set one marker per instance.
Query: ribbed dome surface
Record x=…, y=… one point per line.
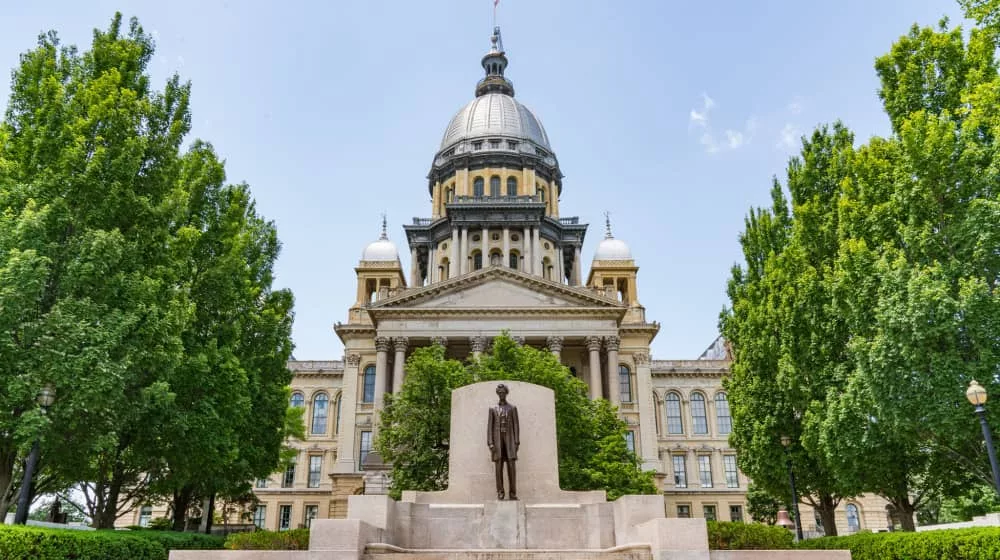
x=611, y=249
x=495, y=115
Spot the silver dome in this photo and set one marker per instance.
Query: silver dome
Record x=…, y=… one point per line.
x=495, y=115
x=381, y=250
x=612, y=250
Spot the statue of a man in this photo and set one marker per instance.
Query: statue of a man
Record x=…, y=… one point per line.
x=503, y=435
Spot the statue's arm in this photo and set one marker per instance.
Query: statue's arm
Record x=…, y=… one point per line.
x=491, y=418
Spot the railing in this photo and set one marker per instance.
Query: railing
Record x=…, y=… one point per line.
x=423, y=221
x=313, y=365
x=494, y=199
x=569, y=221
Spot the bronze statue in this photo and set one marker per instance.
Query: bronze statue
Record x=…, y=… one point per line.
x=503, y=436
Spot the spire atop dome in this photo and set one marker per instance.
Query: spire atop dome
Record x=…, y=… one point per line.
x=607, y=226
x=495, y=62
x=385, y=234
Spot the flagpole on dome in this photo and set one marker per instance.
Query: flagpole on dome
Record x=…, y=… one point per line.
x=495, y=4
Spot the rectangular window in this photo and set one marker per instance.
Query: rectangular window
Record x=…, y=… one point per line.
x=145, y=515
x=680, y=472
x=259, y=516
x=363, y=449
x=732, y=475
x=311, y=513
x=261, y=483
x=709, y=512
x=630, y=440
x=288, y=480
x=315, y=468
x=705, y=470
x=368, y=385
x=284, y=517
x=625, y=384
x=736, y=513
x=684, y=512
x=674, y=423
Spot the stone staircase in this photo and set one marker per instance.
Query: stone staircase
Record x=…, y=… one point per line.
x=388, y=552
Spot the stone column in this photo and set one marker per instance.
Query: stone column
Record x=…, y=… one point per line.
x=506, y=246
x=647, y=413
x=594, y=347
x=349, y=407
x=519, y=340
x=555, y=345
x=455, y=267
x=576, y=266
x=614, y=383
x=560, y=277
x=382, y=345
x=414, y=268
x=478, y=346
x=399, y=344
x=431, y=265
x=464, y=251
x=526, y=252
x=536, y=251
x=485, y=247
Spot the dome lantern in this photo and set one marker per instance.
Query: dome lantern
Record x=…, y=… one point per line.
x=494, y=63
x=611, y=249
x=381, y=249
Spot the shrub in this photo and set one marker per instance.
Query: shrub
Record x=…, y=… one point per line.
x=979, y=543
x=296, y=539
x=727, y=535
x=36, y=543
x=173, y=540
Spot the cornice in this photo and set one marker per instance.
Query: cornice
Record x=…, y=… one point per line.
x=395, y=313
x=315, y=365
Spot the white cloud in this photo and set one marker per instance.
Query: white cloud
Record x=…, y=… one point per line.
x=734, y=139
x=700, y=118
x=788, y=137
x=795, y=107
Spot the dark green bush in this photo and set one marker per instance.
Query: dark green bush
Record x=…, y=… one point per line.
x=727, y=535
x=296, y=539
x=36, y=543
x=946, y=544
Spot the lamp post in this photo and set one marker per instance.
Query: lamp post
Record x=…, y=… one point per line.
x=786, y=442
x=977, y=396
x=45, y=398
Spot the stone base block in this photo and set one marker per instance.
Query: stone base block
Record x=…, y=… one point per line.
x=341, y=539
x=781, y=555
x=675, y=539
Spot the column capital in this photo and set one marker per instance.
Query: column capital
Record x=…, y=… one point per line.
x=400, y=343
x=353, y=360
x=612, y=343
x=641, y=358
x=477, y=343
x=555, y=343
x=594, y=343
x=382, y=343
x=442, y=340
x=519, y=340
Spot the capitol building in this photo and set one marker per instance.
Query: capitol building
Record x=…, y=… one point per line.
x=497, y=253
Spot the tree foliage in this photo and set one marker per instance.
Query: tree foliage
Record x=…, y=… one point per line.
x=415, y=424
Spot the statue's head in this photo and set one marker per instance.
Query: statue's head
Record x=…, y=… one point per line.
x=502, y=390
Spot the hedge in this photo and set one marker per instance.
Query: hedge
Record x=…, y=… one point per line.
x=979, y=543
x=728, y=535
x=295, y=539
x=35, y=543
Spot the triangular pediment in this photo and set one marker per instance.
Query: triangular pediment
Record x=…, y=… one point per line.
x=498, y=288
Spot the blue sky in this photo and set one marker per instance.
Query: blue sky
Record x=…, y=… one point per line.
x=673, y=116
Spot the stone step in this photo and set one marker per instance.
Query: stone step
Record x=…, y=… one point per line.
x=388, y=552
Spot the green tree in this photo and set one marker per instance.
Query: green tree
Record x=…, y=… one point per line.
x=763, y=507
x=415, y=424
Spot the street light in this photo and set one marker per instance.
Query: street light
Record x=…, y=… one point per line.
x=45, y=399
x=977, y=396
x=786, y=442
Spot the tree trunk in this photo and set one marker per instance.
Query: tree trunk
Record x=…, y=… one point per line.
x=208, y=512
x=182, y=500
x=108, y=514
x=904, y=511
x=827, y=508
x=8, y=481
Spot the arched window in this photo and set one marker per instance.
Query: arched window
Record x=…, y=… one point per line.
x=853, y=519
x=368, y=391
x=515, y=260
x=722, y=419
x=496, y=259
x=477, y=260
x=625, y=383
x=547, y=268
x=297, y=399
x=449, y=194
x=320, y=403
x=699, y=414
x=511, y=186
x=477, y=187
x=494, y=186
x=444, y=269
x=336, y=422
x=540, y=193
x=675, y=425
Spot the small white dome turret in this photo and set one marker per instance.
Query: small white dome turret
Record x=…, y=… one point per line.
x=611, y=249
x=381, y=249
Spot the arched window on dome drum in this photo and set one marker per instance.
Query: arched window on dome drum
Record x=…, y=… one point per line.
x=699, y=414
x=449, y=195
x=511, y=186
x=495, y=186
x=515, y=260
x=477, y=187
x=320, y=403
x=540, y=193
x=477, y=260
x=625, y=383
x=297, y=400
x=722, y=419
x=675, y=424
x=368, y=390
